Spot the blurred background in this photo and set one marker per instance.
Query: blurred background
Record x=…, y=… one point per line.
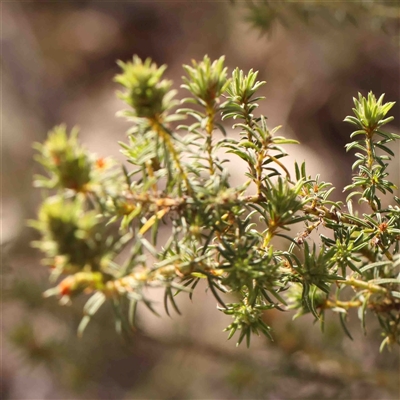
x=58, y=61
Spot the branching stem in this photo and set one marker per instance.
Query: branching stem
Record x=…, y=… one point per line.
x=166, y=137
x=371, y=287
x=209, y=130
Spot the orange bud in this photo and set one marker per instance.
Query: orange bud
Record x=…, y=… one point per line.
x=65, y=286
x=100, y=163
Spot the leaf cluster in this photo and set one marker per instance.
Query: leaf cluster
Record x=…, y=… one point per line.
x=266, y=15
x=174, y=210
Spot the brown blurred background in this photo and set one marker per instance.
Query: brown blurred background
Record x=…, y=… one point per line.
x=58, y=61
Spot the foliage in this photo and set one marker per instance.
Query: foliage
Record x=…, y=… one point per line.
x=266, y=15
x=222, y=234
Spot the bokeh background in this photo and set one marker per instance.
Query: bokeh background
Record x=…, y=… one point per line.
x=58, y=61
